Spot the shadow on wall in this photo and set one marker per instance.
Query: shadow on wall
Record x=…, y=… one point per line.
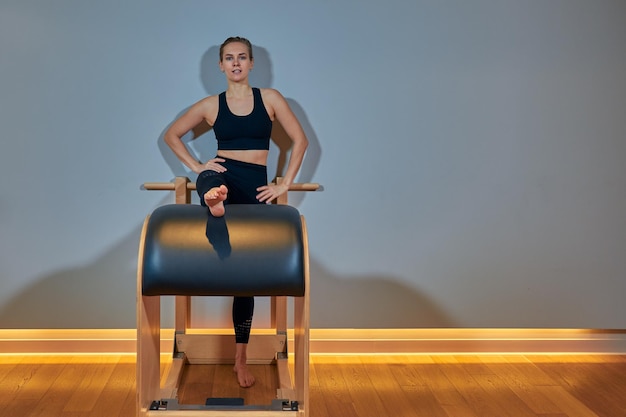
x=369, y=302
x=97, y=295
x=102, y=295
x=214, y=82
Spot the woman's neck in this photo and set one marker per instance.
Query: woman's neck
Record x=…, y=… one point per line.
x=239, y=90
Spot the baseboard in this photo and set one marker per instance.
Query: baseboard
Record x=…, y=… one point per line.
x=443, y=341
x=340, y=341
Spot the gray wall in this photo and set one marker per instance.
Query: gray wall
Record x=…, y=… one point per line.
x=472, y=154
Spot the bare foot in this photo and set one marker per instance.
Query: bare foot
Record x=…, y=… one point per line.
x=214, y=199
x=245, y=378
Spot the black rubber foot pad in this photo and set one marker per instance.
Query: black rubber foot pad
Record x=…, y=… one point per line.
x=224, y=401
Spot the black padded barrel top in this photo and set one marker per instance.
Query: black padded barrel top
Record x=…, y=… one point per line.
x=254, y=249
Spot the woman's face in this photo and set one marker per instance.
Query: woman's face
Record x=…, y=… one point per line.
x=235, y=62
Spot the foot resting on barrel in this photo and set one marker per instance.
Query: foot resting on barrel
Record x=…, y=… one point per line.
x=214, y=199
x=244, y=377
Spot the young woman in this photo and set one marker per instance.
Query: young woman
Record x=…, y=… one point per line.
x=241, y=118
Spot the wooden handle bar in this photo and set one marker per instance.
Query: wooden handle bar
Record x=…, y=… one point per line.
x=165, y=186
x=170, y=186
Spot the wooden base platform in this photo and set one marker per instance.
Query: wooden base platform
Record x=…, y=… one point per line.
x=200, y=382
x=198, y=356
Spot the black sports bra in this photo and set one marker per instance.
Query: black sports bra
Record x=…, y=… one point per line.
x=234, y=132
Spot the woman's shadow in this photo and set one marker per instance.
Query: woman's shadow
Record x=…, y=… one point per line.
x=55, y=298
x=214, y=82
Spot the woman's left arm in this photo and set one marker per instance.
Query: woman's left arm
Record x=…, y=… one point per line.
x=283, y=114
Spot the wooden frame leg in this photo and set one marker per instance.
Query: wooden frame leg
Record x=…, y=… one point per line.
x=279, y=314
x=148, y=339
x=182, y=313
x=302, y=327
x=148, y=352
x=301, y=342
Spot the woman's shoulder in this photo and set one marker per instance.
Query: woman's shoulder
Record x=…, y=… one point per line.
x=271, y=95
x=208, y=102
x=211, y=99
x=206, y=108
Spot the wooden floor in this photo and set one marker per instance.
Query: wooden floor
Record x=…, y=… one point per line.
x=347, y=386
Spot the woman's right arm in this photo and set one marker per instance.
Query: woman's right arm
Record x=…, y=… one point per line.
x=197, y=113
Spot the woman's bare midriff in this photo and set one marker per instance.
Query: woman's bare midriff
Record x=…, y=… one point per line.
x=251, y=156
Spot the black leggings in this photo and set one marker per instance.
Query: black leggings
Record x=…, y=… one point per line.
x=242, y=179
